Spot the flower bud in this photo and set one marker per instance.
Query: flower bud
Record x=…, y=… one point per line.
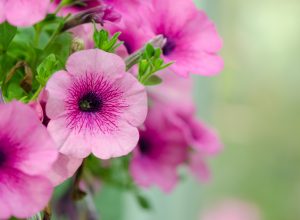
x=98, y=14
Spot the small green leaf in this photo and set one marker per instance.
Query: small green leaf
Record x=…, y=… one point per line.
x=103, y=42
x=143, y=66
x=7, y=33
x=143, y=202
x=165, y=66
x=153, y=80
x=158, y=63
x=157, y=53
x=49, y=65
x=149, y=50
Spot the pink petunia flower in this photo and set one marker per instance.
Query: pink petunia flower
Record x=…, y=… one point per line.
x=197, y=134
x=232, y=209
x=176, y=93
x=23, y=12
x=174, y=96
x=27, y=153
x=161, y=149
x=191, y=37
x=95, y=106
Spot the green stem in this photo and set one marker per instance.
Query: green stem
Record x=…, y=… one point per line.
x=134, y=58
x=77, y=193
x=56, y=32
x=37, y=35
x=36, y=94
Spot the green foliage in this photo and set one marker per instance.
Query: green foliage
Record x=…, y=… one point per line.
x=7, y=33
x=60, y=46
x=49, y=65
x=150, y=63
x=42, y=50
x=104, y=42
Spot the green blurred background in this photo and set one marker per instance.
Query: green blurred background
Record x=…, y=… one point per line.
x=255, y=106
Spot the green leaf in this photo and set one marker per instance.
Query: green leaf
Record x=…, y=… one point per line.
x=7, y=33
x=143, y=202
x=143, y=66
x=157, y=53
x=153, y=80
x=61, y=47
x=149, y=50
x=49, y=65
x=14, y=91
x=103, y=42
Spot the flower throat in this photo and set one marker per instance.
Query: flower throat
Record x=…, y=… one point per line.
x=90, y=102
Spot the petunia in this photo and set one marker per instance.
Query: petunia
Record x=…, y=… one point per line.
x=197, y=134
x=174, y=98
x=232, y=209
x=23, y=12
x=95, y=106
x=160, y=150
x=192, y=41
x=176, y=94
x=27, y=153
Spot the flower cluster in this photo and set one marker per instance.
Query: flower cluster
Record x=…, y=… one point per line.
x=87, y=83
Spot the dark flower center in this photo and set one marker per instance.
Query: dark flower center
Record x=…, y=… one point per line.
x=144, y=145
x=90, y=102
x=2, y=157
x=128, y=47
x=169, y=47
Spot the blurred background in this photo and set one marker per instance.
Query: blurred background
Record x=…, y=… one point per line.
x=255, y=106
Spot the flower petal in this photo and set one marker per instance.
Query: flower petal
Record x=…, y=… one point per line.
x=57, y=87
x=115, y=144
x=95, y=61
x=69, y=142
x=147, y=173
x=197, y=63
x=2, y=11
x=136, y=99
x=199, y=168
x=26, y=12
x=24, y=195
x=5, y=210
x=63, y=168
x=19, y=121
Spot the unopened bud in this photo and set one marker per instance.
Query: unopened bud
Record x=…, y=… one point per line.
x=77, y=44
x=98, y=14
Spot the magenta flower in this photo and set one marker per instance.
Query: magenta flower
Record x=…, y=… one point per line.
x=23, y=12
x=174, y=96
x=191, y=37
x=203, y=140
x=26, y=155
x=95, y=106
x=161, y=149
x=197, y=134
x=232, y=209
